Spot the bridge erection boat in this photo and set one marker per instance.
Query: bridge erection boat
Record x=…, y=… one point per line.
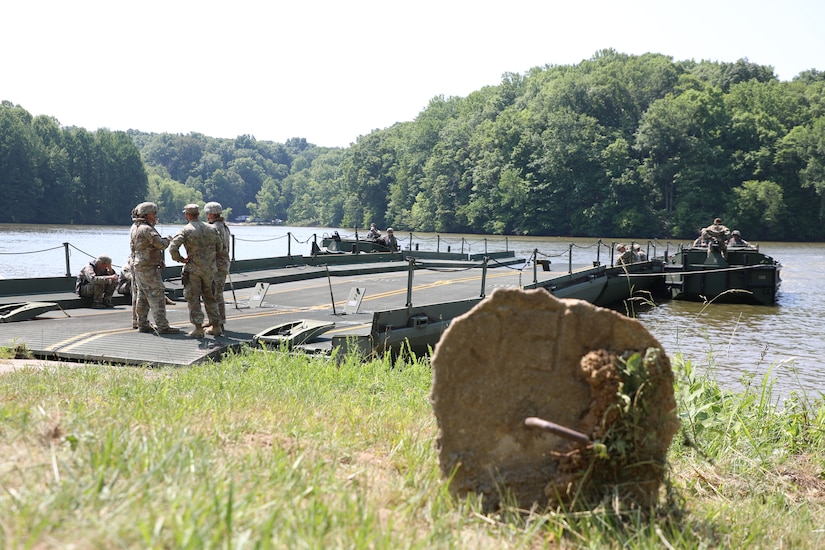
x=737, y=275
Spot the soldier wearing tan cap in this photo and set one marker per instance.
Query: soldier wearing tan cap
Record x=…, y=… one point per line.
x=202, y=244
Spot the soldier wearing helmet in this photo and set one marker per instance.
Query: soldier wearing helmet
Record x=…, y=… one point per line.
x=147, y=248
x=736, y=240
x=214, y=215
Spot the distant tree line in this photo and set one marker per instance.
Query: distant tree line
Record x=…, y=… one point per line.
x=51, y=174
x=617, y=145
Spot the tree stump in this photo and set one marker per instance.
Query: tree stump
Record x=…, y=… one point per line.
x=522, y=354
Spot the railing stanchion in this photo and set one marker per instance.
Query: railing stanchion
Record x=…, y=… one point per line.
x=68, y=267
x=484, y=277
x=410, y=282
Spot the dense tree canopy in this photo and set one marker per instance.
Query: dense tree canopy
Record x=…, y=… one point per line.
x=51, y=174
x=617, y=145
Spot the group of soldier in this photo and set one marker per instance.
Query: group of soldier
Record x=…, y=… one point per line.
x=719, y=236
x=204, y=273
x=629, y=254
x=715, y=235
x=374, y=234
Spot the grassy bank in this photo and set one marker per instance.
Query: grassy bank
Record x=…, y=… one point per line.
x=272, y=450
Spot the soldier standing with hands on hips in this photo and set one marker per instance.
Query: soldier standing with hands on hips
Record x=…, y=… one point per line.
x=202, y=244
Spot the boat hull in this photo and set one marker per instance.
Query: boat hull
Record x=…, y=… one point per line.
x=413, y=330
x=604, y=285
x=739, y=276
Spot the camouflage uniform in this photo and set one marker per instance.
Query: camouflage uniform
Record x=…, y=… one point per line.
x=720, y=233
x=95, y=282
x=125, y=284
x=623, y=255
x=147, y=261
x=222, y=261
x=202, y=244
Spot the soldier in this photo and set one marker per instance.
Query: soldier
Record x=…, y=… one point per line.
x=147, y=261
x=374, y=233
x=202, y=243
x=736, y=240
x=97, y=280
x=623, y=255
x=639, y=254
x=390, y=240
x=717, y=234
x=213, y=215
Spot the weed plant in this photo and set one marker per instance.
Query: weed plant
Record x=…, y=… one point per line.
x=274, y=450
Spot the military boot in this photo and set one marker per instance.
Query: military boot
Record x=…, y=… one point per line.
x=97, y=297
x=197, y=332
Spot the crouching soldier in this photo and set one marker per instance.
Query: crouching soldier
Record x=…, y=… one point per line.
x=97, y=281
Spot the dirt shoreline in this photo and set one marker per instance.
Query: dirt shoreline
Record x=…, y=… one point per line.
x=11, y=365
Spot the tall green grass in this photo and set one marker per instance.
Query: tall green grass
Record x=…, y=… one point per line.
x=273, y=450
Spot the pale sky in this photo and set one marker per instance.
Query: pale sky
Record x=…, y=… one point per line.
x=331, y=71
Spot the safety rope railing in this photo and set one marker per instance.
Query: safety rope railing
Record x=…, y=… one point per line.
x=439, y=243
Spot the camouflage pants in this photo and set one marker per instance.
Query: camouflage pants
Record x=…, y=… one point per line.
x=100, y=293
x=151, y=296
x=199, y=286
x=220, y=284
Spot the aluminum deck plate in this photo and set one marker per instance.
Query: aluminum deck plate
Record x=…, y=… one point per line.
x=106, y=335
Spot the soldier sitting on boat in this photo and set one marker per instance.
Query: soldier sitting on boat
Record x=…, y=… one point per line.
x=390, y=241
x=736, y=240
x=97, y=281
x=374, y=233
x=639, y=254
x=623, y=254
x=701, y=240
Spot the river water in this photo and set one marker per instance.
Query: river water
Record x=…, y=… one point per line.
x=733, y=342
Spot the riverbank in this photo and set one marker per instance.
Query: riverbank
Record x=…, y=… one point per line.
x=280, y=450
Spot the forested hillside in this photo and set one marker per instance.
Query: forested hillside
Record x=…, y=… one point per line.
x=617, y=145
x=50, y=174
